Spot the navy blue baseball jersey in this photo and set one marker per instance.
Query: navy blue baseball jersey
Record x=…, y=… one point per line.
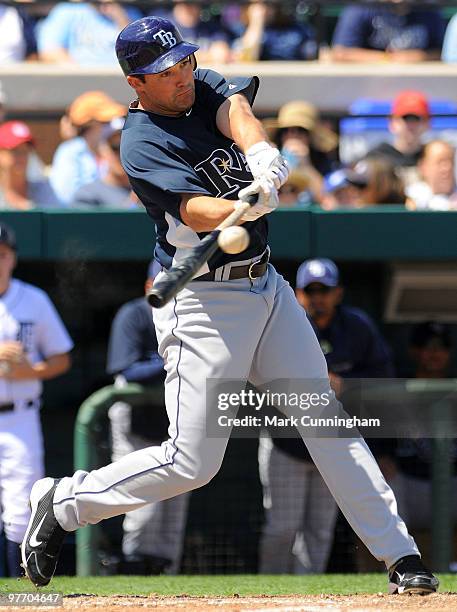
x=165, y=157
x=133, y=342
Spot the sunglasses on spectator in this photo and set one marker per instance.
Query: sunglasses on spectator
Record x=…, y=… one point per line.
x=289, y=190
x=294, y=129
x=412, y=118
x=323, y=290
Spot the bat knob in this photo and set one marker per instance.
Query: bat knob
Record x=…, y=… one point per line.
x=155, y=299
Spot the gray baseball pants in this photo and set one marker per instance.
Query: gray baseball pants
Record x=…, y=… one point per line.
x=155, y=529
x=234, y=330
x=300, y=514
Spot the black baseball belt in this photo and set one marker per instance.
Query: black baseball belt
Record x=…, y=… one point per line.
x=251, y=271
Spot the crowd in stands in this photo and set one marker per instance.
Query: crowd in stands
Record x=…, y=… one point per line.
x=410, y=166
x=83, y=33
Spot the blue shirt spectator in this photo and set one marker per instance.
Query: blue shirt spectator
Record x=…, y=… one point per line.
x=449, y=53
x=267, y=32
x=82, y=33
x=100, y=195
x=77, y=161
x=394, y=32
x=212, y=38
x=74, y=165
x=113, y=189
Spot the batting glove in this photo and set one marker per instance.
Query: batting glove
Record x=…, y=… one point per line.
x=267, y=200
x=265, y=160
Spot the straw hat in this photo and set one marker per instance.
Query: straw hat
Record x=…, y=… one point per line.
x=297, y=180
x=304, y=115
x=94, y=106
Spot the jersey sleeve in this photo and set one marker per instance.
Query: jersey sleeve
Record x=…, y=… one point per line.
x=375, y=358
x=28, y=32
x=352, y=28
x=124, y=342
x=215, y=89
x=132, y=348
x=53, y=338
x=449, y=53
x=159, y=176
x=54, y=30
x=437, y=29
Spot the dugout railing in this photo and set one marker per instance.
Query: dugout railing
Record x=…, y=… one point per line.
x=89, y=435
x=441, y=394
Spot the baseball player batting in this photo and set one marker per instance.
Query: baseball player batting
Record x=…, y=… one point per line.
x=191, y=147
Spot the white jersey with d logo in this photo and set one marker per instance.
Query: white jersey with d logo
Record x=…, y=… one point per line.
x=28, y=316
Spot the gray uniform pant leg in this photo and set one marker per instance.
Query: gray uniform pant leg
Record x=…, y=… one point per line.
x=210, y=331
x=155, y=529
x=300, y=514
x=289, y=349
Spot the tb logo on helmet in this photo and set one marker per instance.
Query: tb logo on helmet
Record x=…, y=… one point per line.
x=166, y=38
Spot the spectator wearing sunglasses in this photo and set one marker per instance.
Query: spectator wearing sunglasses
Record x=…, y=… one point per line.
x=307, y=143
x=409, y=120
x=112, y=189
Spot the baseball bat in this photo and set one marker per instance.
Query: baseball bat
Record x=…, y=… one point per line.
x=179, y=275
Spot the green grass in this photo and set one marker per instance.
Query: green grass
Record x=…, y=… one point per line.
x=214, y=586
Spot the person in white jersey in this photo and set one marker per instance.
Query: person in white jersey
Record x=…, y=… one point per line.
x=34, y=346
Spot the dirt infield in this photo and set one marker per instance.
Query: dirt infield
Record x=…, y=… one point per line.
x=441, y=602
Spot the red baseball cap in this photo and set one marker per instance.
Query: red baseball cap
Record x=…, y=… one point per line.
x=13, y=134
x=410, y=103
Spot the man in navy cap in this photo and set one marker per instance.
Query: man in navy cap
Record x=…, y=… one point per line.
x=300, y=512
x=343, y=188
x=350, y=341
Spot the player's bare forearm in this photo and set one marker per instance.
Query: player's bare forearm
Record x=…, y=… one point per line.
x=236, y=120
x=356, y=54
x=43, y=370
x=204, y=213
x=414, y=55
x=56, y=56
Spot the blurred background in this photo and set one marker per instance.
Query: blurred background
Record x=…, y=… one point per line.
x=360, y=97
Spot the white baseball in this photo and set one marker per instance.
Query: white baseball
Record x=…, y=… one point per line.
x=233, y=239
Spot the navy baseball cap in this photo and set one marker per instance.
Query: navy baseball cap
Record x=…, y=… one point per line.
x=424, y=333
x=322, y=271
x=342, y=178
x=7, y=236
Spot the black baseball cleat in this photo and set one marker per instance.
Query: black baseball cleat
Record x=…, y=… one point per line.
x=44, y=537
x=409, y=575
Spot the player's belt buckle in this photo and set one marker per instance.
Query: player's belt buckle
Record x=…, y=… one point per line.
x=250, y=270
x=263, y=260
